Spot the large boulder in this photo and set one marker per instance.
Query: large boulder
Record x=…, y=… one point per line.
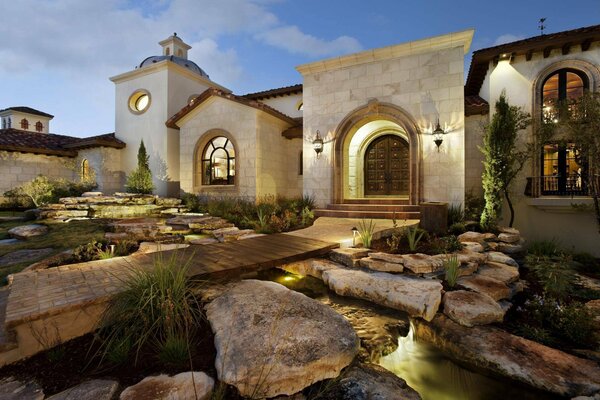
x=26, y=255
x=187, y=385
x=24, y=232
x=372, y=382
x=417, y=296
x=471, y=308
x=272, y=341
x=422, y=263
x=97, y=389
x=498, y=352
x=476, y=237
x=502, y=258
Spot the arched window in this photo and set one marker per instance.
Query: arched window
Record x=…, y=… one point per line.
x=24, y=124
x=218, y=162
x=85, y=170
x=167, y=51
x=3, y=123
x=39, y=126
x=563, y=171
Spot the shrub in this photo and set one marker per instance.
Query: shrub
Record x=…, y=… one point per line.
x=537, y=334
x=553, y=273
x=192, y=202
x=455, y=214
x=447, y=244
x=575, y=323
x=457, y=228
x=307, y=216
x=42, y=190
x=87, y=252
x=414, y=236
x=174, y=350
x=140, y=179
x=365, y=231
x=125, y=247
x=452, y=268
x=585, y=262
x=394, y=241
x=544, y=248
x=473, y=206
x=155, y=305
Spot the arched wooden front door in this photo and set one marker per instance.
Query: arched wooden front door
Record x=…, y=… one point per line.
x=387, y=167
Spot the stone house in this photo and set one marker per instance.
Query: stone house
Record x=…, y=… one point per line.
x=367, y=134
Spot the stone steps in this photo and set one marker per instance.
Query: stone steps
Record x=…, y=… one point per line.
x=374, y=207
x=367, y=214
x=393, y=201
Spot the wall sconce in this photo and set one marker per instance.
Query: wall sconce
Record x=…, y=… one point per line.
x=438, y=134
x=354, y=233
x=318, y=144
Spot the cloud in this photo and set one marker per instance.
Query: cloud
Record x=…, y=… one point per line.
x=222, y=66
x=507, y=38
x=290, y=38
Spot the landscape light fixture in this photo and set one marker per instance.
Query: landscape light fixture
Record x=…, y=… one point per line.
x=354, y=233
x=438, y=134
x=318, y=144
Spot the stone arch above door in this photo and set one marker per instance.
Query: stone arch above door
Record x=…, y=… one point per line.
x=348, y=127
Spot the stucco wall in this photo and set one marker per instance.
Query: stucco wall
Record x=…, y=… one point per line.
x=239, y=122
x=18, y=168
x=474, y=126
x=427, y=85
x=546, y=217
x=286, y=104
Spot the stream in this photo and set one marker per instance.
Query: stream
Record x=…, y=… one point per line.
x=422, y=366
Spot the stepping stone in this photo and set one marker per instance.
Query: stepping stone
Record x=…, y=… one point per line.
x=493, y=288
x=97, y=389
x=6, y=242
x=11, y=219
x=22, y=256
x=187, y=385
x=26, y=231
x=312, y=267
x=203, y=241
x=472, y=308
x=502, y=272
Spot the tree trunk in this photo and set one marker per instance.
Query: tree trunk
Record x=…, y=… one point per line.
x=594, y=189
x=511, y=208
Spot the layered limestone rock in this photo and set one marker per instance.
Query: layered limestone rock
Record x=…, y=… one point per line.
x=372, y=382
x=476, y=237
x=187, y=385
x=422, y=263
x=349, y=256
x=417, y=296
x=96, y=389
x=471, y=308
x=381, y=266
x=498, y=352
x=491, y=287
x=501, y=272
x=312, y=267
x=502, y=258
x=273, y=341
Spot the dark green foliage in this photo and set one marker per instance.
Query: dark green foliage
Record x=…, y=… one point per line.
x=446, y=244
x=503, y=161
x=586, y=263
x=43, y=190
x=547, y=248
x=455, y=214
x=193, y=203
x=473, y=206
x=119, y=351
x=457, y=228
x=452, y=268
x=125, y=247
x=555, y=274
x=140, y=179
x=550, y=320
x=174, y=351
x=88, y=252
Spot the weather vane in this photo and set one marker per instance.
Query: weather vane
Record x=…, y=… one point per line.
x=541, y=25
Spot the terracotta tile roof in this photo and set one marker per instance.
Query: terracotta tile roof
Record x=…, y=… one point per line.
x=282, y=91
x=52, y=144
x=208, y=93
x=544, y=43
x=28, y=110
x=475, y=105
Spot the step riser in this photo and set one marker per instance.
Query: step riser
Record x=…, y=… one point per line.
x=367, y=214
x=373, y=207
x=377, y=201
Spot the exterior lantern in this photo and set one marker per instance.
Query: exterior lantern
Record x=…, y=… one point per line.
x=318, y=144
x=354, y=233
x=438, y=134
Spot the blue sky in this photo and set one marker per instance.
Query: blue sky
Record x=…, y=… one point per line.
x=57, y=55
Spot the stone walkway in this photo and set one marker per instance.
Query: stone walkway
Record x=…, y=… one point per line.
x=339, y=230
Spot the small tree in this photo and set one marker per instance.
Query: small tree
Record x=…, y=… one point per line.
x=140, y=180
x=580, y=123
x=503, y=161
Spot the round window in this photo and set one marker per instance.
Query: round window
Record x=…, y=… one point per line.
x=139, y=101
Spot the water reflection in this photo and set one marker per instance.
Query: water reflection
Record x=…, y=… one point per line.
x=436, y=377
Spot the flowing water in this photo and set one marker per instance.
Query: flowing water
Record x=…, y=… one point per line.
x=422, y=366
